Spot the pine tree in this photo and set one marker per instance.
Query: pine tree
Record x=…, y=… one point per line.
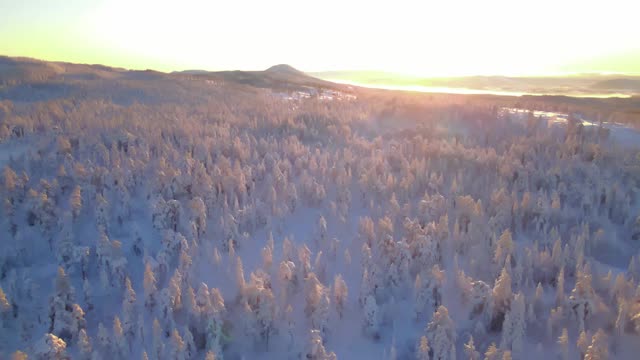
x=621, y=320
x=518, y=319
x=470, y=350
x=267, y=257
x=240, y=282
x=582, y=344
x=322, y=231
x=313, y=292
x=87, y=293
x=84, y=345
x=582, y=299
x=371, y=316
x=599, y=348
x=189, y=344
x=537, y=298
x=501, y=295
x=442, y=335
x=50, y=347
x=315, y=348
x=422, y=349
x=61, y=307
x=560, y=288
x=104, y=339
x=119, y=338
x=265, y=315
x=563, y=342
x=175, y=290
x=191, y=305
x=129, y=310
x=65, y=247
x=177, y=351
x=158, y=340
x=199, y=215
x=492, y=353
x=504, y=249
x=77, y=322
x=340, y=294
x=420, y=297
x=76, y=201
x=150, y=289
x=557, y=257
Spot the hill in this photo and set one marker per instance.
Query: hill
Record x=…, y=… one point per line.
x=279, y=77
x=17, y=71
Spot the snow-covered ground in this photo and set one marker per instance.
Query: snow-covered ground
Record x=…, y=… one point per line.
x=323, y=94
x=621, y=134
x=12, y=149
x=206, y=223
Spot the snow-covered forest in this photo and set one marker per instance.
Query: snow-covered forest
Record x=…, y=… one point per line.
x=156, y=217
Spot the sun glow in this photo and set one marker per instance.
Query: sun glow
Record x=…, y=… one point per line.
x=415, y=37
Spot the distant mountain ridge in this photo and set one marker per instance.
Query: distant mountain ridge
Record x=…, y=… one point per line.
x=619, y=84
x=280, y=77
x=566, y=84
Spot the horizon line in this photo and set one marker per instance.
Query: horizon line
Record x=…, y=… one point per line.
x=558, y=74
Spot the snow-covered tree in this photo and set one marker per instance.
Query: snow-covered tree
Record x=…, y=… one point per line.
x=61, y=307
x=372, y=317
x=504, y=249
x=492, y=353
x=65, y=247
x=582, y=299
x=104, y=338
x=199, y=215
x=563, y=343
x=501, y=296
x=582, y=343
x=428, y=293
x=560, y=297
x=119, y=340
x=513, y=330
x=139, y=195
x=50, y=347
x=84, y=345
x=129, y=314
x=76, y=201
x=422, y=349
x=177, y=346
x=190, y=348
x=340, y=294
x=599, y=348
x=315, y=348
x=442, y=335
x=240, y=281
x=470, y=350
x=150, y=289
x=158, y=340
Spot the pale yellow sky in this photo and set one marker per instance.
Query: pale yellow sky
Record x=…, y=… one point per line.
x=460, y=37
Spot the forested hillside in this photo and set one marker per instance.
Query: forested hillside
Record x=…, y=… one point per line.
x=176, y=217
